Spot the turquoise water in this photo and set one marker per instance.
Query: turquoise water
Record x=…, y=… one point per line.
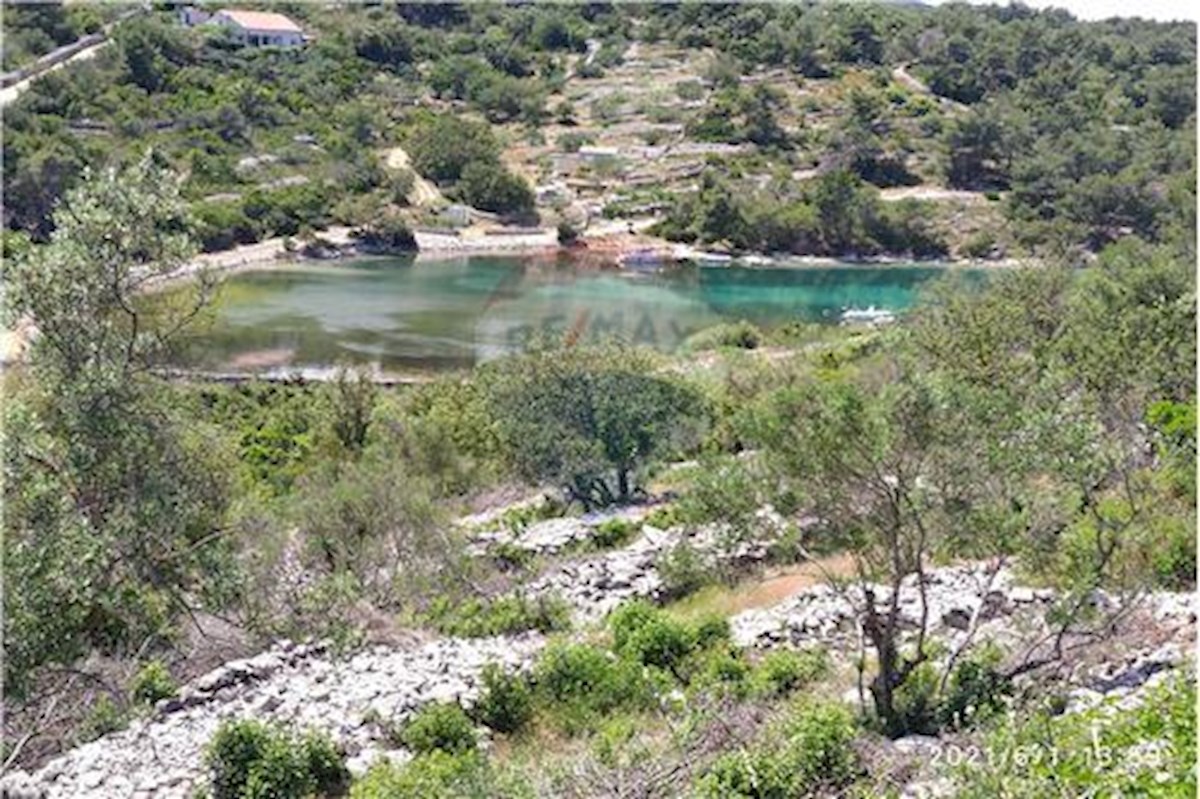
x=403, y=316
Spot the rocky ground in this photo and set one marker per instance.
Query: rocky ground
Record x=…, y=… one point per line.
x=360, y=699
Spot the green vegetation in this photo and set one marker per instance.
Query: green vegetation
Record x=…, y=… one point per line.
x=440, y=727
x=248, y=759
x=152, y=683
x=1086, y=127
x=613, y=533
x=835, y=214
x=1046, y=418
x=503, y=616
x=506, y=704
x=1149, y=750
x=437, y=775
x=590, y=420
x=34, y=29
x=808, y=753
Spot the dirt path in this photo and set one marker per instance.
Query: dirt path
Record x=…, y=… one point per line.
x=423, y=193
x=914, y=84
x=932, y=193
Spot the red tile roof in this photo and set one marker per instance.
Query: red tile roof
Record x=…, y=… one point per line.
x=261, y=21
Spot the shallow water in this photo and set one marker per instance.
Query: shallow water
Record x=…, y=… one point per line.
x=402, y=316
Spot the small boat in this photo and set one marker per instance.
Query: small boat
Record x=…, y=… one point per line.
x=867, y=316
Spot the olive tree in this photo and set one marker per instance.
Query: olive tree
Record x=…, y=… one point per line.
x=113, y=506
x=590, y=419
x=986, y=434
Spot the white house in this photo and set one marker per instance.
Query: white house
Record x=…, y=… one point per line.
x=255, y=28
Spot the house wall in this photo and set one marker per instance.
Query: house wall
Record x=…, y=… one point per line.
x=260, y=38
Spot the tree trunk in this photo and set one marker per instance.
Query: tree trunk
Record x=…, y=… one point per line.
x=623, y=484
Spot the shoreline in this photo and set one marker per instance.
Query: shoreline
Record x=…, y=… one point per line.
x=609, y=243
x=270, y=253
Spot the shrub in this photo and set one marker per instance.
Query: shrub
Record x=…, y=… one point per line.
x=723, y=669
x=441, y=726
x=664, y=517
x=507, y=701
x=1146, y=751
x=690, y=90
x=808, y=754
x=105, y=716
x=660, y=642
x=247, y=759
x=613, y=533
x=916, y=704
x=571, y=142
x=504, y=616
x=568, y=233
x=491, y=187
x=711, y=630
x=444, y=146
x=979, y=245
x=783, y=671
x=683, y=570
x=437, y=775
x=740, y=335
x=388, y=233
x=975, y=690
x=152, y=683
x=647, y=635
x=628, y=619
x=578, y=684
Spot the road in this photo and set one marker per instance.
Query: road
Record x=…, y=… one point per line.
x=11, y=93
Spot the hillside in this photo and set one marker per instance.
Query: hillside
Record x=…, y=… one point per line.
x=943, y=551
x=1012, y=111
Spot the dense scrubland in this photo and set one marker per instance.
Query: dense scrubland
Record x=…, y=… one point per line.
x=1043, y=421
x=1063, y=135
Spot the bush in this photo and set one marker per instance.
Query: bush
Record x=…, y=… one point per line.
x=658, y=641
x=724, y=669
x=664, y=517
x=613, y=533
x=808, y=754
x=683, y=570
x=105, y=716
x=647, y=635
x=568, y=233
x=491, y=187
x=578, y=684
x=783, y=671
x=979, y=245
x=507, y=701
x=741, y=335
x=504, y=616
x=247, y=759
x=571, y=142
x=1146, y=751
x=444, y=146
x=152, y=683
x=443, y=726
x=437, y=775
x=389, y=233
x=975, y=691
